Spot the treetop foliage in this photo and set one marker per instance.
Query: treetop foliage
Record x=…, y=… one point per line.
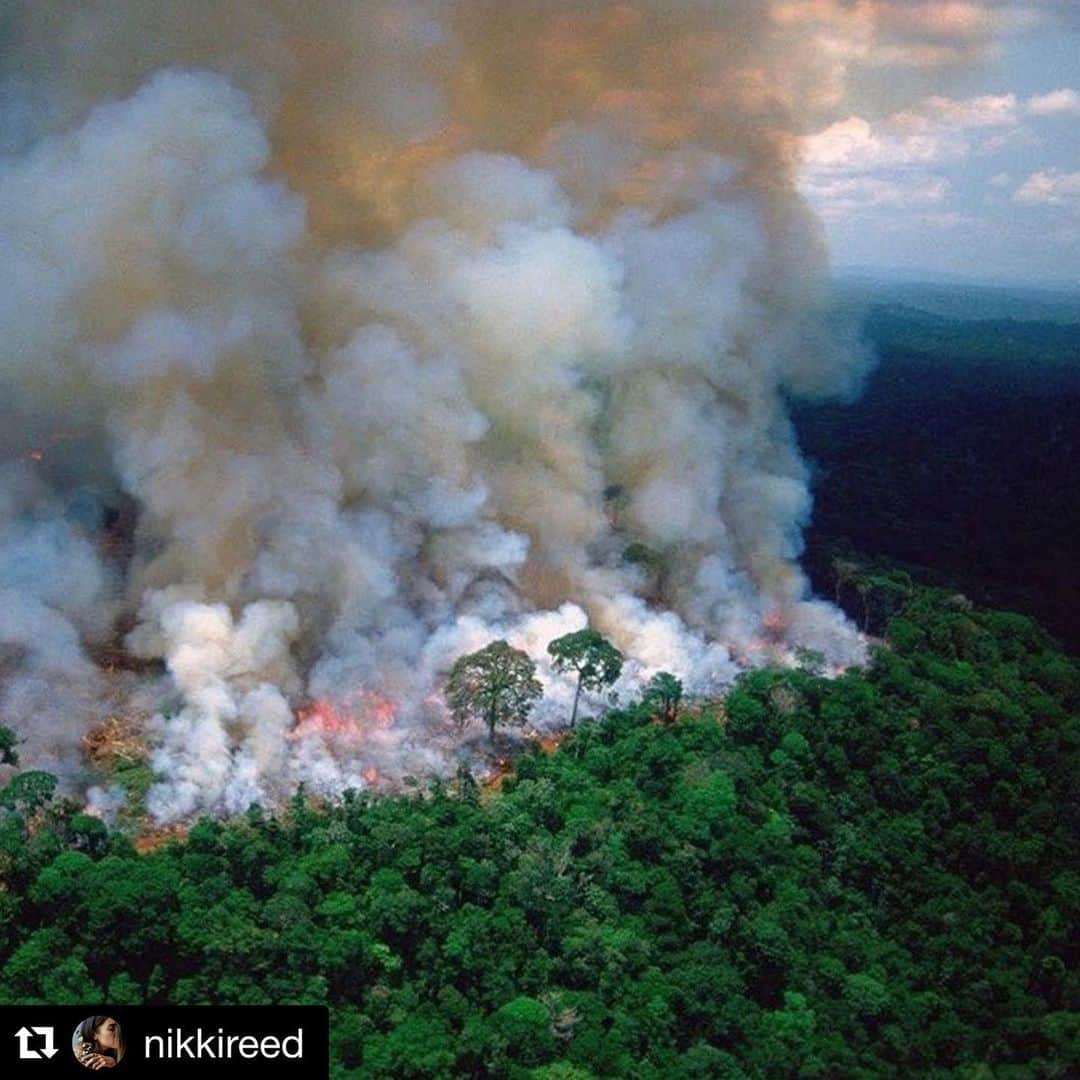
x=496, y=684
x=597, y=662
x=663, y=694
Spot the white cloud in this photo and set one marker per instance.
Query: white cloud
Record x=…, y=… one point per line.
x=858, y=164
x=936, y=129
x=856, y=145
x=1050, y=187
x=988, y=110
x=1064, y=102
x=844, y=196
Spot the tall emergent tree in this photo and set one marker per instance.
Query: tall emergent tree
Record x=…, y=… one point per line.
x=663, y=695
x=496, y=684
x=8, y=741
x=597, y=662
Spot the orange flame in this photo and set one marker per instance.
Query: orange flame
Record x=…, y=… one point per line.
x=352, y=718
x=324, y=716
x=500, y=769
x=382, y=709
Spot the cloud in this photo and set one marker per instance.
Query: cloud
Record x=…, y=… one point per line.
x=860, y=164
x=857, y=145
x=936, y=129
x=1064, y=102
x=989, y=110
x=1049, y=187
x=844, y=196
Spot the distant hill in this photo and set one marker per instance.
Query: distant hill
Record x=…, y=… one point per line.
x=960, y=300
x=961, y=455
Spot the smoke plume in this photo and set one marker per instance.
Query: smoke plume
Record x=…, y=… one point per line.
x=376, y=331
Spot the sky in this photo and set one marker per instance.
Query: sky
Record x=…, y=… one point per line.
x=953, y=151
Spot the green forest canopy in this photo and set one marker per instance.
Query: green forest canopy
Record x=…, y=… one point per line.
x=868, y=876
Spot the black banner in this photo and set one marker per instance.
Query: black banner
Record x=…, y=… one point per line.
x=142, y=1041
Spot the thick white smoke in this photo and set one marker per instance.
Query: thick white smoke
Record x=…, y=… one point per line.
x=384, y=330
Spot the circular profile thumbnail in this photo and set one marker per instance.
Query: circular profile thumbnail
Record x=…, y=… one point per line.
x=98, y=1042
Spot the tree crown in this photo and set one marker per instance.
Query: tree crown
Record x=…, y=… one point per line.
x=496, y=683
x=597, y=662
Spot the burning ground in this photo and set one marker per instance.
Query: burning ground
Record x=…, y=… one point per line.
x=339, y=342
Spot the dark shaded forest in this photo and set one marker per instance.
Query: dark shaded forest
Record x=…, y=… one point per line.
x=959, y=459
x=867, y=876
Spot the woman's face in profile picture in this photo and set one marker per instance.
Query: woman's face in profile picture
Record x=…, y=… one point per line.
x=106, y=1035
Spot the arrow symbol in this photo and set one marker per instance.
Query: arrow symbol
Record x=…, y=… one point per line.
x=24, y=1035
x=50, y=1047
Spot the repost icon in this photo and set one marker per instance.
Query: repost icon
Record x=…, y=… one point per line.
x=31, y=1038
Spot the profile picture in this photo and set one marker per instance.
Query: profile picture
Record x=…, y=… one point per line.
x=98, y=1042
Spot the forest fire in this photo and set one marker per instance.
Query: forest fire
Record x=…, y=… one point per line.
x=776, y=623
x=151, y=839
x=352, y=719
x=500, y=769
x=334, y=402
x=770, y=644
x=404, y=482
x=325, y=717
x=550, y=743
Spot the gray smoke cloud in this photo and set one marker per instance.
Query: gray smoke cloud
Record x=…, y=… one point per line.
x=385, y=329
